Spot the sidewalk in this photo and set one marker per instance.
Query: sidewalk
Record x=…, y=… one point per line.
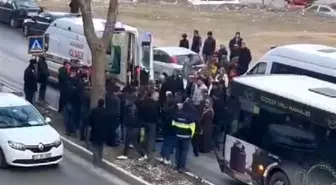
x=206, y=167
x=154, y=173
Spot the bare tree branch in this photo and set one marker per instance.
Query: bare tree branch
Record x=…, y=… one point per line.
x=111, y=19
x=89, y=30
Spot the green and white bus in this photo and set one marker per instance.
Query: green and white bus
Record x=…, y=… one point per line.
x=282, y=131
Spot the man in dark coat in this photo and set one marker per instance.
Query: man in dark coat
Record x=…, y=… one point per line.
x=209, y=47
x=113, y=108
x=149, y=111
x=130, y=124
x=72, y=105
x=84, y=112
x=63, y=77
x=184, y=42
x=99, y=131
x=74, y=6
x=174, y=84
x=235, y=40
x=196, y=42
x=30, y=80
x=245, y=58
x=235, y=53
x=42, y=76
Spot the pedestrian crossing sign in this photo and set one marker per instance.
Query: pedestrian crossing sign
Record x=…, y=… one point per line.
x=36, y=45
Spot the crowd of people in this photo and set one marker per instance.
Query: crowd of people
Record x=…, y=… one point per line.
x=186, y=112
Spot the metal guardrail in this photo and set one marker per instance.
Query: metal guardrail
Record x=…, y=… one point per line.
x=6, y=88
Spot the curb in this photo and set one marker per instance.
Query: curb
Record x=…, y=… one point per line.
x=203, y=181
x=106, y=165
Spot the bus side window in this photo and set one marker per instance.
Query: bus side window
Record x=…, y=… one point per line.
x=260, y=68
x=278, y=68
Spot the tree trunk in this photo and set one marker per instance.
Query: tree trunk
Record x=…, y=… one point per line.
x=98, y=46
x=98, y=74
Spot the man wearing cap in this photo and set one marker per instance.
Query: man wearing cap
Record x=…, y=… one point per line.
x=42, y=76
x=30, y=80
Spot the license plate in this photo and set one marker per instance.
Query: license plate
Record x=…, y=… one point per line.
x=30, y=14
x=41, y=156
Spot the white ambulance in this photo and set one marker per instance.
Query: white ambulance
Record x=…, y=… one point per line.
x=129, y=54
x=317, y=61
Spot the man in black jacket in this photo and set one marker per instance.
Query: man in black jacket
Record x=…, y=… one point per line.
x=42, y=76
x=63, y=77
x=30, y=80
x=209, y=47
x=99, y=131
x=84, y=112
x=235, y=40
x=72, y=102
x=245, y=58
x=149, y=111
x=130, y=124
x=113, y=106
x=184, y=42
x=196, y=42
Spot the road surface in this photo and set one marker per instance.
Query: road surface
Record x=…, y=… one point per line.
x=13, y=61
x=73, y=170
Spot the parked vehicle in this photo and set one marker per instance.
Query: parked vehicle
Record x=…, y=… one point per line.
x=168, y=59
x=26, y=138
x=38, y=24
x=318, y=61
x=130, y=52
x=13, y=12
x=323, y=10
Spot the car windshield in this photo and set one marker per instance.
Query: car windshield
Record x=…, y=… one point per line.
x=195, y=59
x=26, y=4
x=20, y=116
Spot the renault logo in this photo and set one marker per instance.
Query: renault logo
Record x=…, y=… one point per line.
x=40, y=147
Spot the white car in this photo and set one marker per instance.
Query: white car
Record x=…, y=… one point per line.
x=324, y=10
x=26, y=138
x=168, y=59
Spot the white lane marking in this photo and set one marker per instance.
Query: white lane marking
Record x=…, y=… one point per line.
x=95, y=170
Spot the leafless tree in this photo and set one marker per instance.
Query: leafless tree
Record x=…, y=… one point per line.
x=98, y=45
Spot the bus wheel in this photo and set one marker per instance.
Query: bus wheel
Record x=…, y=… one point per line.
x=278, y=178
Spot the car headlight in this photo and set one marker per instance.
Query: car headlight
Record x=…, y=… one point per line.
x=58, y=143
x=17, y=146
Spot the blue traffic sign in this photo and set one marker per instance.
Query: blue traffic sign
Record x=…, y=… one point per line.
x=36, y=45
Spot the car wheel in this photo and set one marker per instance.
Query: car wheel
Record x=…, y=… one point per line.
x=13, y=23
x=278, y=178
x=26, y=30
x=3, y=162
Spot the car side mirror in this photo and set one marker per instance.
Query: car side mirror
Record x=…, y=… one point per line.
x=47, y=120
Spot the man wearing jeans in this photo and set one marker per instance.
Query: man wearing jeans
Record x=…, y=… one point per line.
x=184, y=127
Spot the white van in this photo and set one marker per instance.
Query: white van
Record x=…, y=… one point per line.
x=318, y=61
x=130, y=53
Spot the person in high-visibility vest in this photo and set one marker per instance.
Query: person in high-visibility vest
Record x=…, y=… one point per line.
x=184, y=127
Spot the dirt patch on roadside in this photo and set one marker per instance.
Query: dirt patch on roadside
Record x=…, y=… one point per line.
x=260, y=28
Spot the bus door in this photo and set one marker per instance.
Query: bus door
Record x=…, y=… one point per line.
x=145, y=67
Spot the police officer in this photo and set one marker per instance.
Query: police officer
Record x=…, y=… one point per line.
x=184, y=126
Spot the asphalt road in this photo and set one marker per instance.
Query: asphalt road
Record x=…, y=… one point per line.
x=72, y=170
